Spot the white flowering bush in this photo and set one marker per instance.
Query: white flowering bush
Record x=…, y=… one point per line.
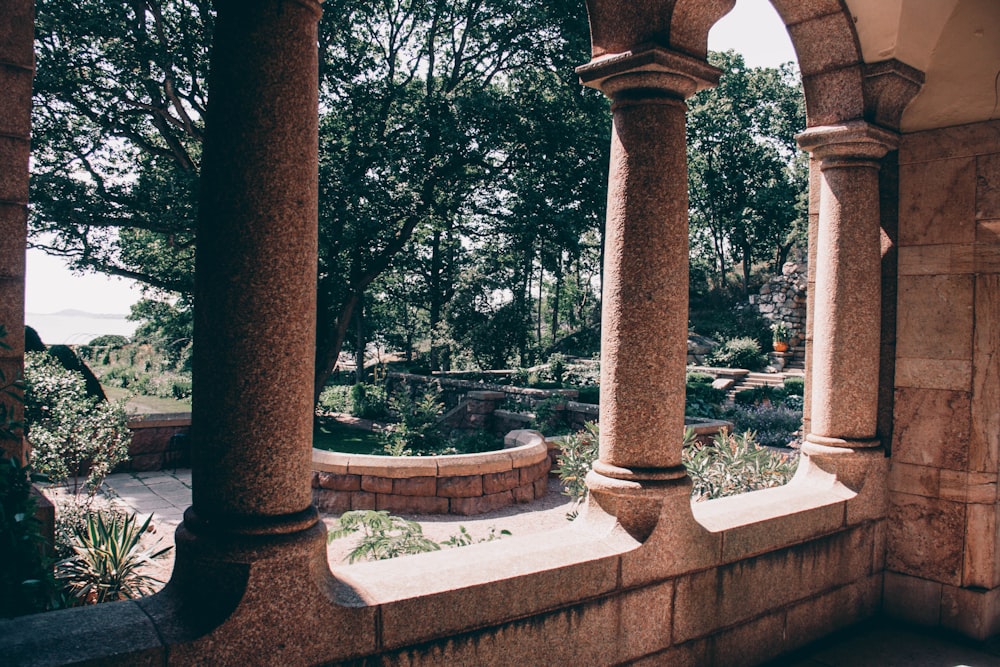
x=72, y=435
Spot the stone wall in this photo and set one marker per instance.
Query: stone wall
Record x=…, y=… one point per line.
x=943, y=541
x=454, y=484
x=782, y=299
x=159, y=441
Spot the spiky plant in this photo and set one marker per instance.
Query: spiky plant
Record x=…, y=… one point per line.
x=108, y=560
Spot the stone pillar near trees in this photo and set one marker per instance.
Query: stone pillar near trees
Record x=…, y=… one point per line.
x=846, y=346
x=645, y=300
x=17, y=66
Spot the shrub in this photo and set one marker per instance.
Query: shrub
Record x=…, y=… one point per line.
x=109, y=340
x=734, y=464
x=549, y=415
x=577, y=454
x=590, y=394
x=759, y=395
x=369, y=401
x=742, y=352
x=417, y=430
x=795, y=386
x=557, y=367
x=107, y=560
x=335, y=399
x=72, y=434
x=701, y=398
x=774, y=425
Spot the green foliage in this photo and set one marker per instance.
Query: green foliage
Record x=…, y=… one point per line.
x=774, y=425
x=168, y=327
x=369, y=401
x=795, y=386
x=577, y=454
x=382, y=535
x=26, y=583
x=108, y=340
x=742, y=352
x=735, y=464
x=549, y=415
x=732, y=464
x=417, y=430
x=779, y=332
x=107, y=561
x=386, y=536
x=701, y=398
x=72, y=434
x=336, y=398
x=557, y=367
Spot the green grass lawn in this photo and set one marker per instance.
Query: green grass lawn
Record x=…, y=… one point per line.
x=331, y=435
x=147, y=405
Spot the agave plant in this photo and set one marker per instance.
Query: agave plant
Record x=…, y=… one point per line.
x=108, y=559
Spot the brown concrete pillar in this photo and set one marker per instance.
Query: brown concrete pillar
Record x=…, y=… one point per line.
x=17, y=66
x=847, y=318
x=645, y=307
x=255, y=281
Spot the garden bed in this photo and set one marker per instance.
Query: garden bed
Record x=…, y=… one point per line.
x=464, y=484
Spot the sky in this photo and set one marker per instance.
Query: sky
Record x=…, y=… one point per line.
x=752, y=28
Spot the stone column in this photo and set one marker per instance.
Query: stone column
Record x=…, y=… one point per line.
x=17, y=66
x=645, y=307
x=847, y=317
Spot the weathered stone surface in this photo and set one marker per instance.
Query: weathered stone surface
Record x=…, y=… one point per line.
x=984, y=446
x=524, y=494
x=981, y=565
x=467, y=486
x=395, y=504
x=362, y=500
x=500, y=481
x=480, y=504
x=332, y=502
x=934, y=373
x=375, y=484
x=926, y=537
x=912, y=599
x=531, y=473
x=935, y=317
x=937, y=202
x=415, y=486
x=988, y=187
x=338, y=482
x=932, y=427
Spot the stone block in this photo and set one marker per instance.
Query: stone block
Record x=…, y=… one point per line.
x=914, y=479
x=500, y=481
x=375, y=484
x=934, y=373
x=395, y=504
x=332, y=502
x=541, y=487
x=827, y=43
x=456, y=465
x=338, y=482
x=937, y=202
x=912, y=599
x=524, y=494
x=415, y=486
x=984, y=444
x=974, y=613
x=982, y=547
x=15, y=116
x=533, y=472
x=949, y=142
x=750, y=643
x=795, y=11
x=988, y=187
x=480, y=504
x=392, y=467
x=146, y=462
x=731, y=594
x=829, y=612
x=931, y=260
x=926, y=537
x=362, y=500
x=932, y=427
x=935, y=317
x=466, y=486
x=834, y=96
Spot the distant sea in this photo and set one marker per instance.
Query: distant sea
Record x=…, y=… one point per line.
x=75, y=327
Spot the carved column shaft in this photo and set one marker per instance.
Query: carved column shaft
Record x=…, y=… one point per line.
x=256, y=273
x=847, y=317
x=645, y=308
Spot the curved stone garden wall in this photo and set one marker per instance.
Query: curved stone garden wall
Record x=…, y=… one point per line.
x=451, y=484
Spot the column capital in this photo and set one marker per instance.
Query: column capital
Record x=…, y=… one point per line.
x=850, y=142
x=655, y=69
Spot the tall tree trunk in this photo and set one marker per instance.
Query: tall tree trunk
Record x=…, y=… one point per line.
x=359, y=353
x=555, y=299
x=330, y=337
x=747, y=259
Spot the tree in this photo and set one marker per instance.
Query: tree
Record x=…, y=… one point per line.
x=746, y=175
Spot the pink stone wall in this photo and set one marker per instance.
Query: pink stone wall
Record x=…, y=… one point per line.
x=943, y=539
x=463, y=484
x=159, y=441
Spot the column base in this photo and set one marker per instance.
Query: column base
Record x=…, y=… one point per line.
x=636, y=497
x=859, y=465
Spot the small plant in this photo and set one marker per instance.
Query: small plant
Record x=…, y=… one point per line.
x=742, y=352
x=734, y=464
x=385, y=536
x=779, y=332
x=107, y=561
x=701, y=398
x=417, y=431
x=557, y=367
x=577, y=454
x=548, y=415
x=369, y=401
x=775, y=425
x=795, y=386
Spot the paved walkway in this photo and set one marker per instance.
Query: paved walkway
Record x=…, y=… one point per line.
x=873, y=644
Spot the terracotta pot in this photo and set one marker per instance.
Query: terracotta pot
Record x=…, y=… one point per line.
x=781, y=346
